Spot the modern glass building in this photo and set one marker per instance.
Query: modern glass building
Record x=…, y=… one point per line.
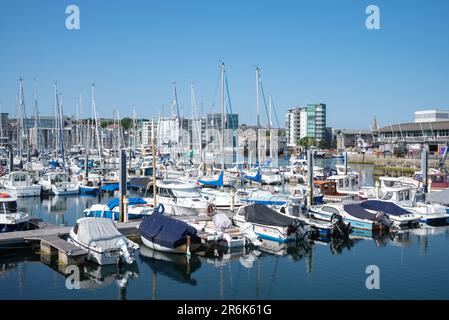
x=308, y=121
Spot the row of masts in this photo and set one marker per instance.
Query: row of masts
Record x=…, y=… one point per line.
x=88, y=136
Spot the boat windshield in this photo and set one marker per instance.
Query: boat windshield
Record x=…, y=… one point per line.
x=186, y=193
x=8, y=207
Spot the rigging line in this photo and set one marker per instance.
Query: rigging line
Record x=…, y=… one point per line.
x=275, y=113
x=215, y=92
x=264, y=100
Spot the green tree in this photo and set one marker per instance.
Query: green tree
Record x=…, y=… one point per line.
x=104, y=124
x=127, y=123
x=306, y=142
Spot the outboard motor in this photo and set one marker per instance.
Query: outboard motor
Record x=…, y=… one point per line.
x=248, y=232
x=338, y=225
x=124, y=252
x=302, y=231
x=382, y=218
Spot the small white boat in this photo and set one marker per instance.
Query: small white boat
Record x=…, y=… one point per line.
x=271, y=225
x=102, y=241
x=11, y=219
x=58, y=183
x=179, y=198
x=20, y=184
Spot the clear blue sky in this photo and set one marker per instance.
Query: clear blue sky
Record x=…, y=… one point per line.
x=308, y=51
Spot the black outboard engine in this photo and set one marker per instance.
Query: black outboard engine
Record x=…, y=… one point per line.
x=339, y=227
x=382, y=218
x=302, y=231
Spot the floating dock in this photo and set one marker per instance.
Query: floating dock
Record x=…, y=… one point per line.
x=50, y=239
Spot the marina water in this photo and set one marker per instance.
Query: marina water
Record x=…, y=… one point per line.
x=412, y=265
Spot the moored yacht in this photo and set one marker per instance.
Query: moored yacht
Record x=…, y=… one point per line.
x=11, y=219
x=58, y=183
x=179, y=198
x=20, y=184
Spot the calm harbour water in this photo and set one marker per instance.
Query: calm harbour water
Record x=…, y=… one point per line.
x=413, y=265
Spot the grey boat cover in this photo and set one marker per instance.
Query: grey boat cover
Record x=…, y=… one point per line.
x=356, y=210
x=222, y=222
x=439, y=197
x=99, y=232
x=261, y=214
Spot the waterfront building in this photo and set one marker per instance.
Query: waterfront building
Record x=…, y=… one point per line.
x=308, y=121
x=147, y=132
x=434, y=135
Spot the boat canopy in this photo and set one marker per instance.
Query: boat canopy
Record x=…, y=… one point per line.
x=131, y=201
x=385, y=206
x=97, y=232
x=356, y=210
x=260, y=214
x=213, y=183
x=439, y=197
x=166, y=231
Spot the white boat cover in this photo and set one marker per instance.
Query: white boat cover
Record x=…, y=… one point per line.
x=222, y=222
x=100, y=233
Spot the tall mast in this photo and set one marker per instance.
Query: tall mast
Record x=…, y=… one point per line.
x=21, y=101
x=257, y=96
x=56, y=119
x=222, y=115
x=177, y=115
x=36, y=117
x=94, y=115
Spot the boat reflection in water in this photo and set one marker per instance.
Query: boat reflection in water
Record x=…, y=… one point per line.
x=173, y=266
x=95, y=276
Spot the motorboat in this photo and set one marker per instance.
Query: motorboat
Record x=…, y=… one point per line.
x=401, y=217
x=20, y=184
x=349, y=184
x=11, y=218
x=137, y=208
x=102, y=241
x=58, y=183
x=220, y=231
x=328, y=188
x=163, y=233
x=354, y=214
x=179, y=198
x=334, y=227
x=271, y=225
x=414, y=200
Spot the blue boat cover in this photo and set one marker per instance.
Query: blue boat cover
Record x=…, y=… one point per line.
x=214, y=183
x=131, y=201
x=385, y=206
x=256, y=178
x=356, y=210
x=166, y=231
x=110, y=187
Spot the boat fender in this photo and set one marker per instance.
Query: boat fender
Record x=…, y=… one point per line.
x=211, y=209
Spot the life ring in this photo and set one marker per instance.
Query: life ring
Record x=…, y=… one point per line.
x=211, y=208
x=4, y=195
x=160, y=208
